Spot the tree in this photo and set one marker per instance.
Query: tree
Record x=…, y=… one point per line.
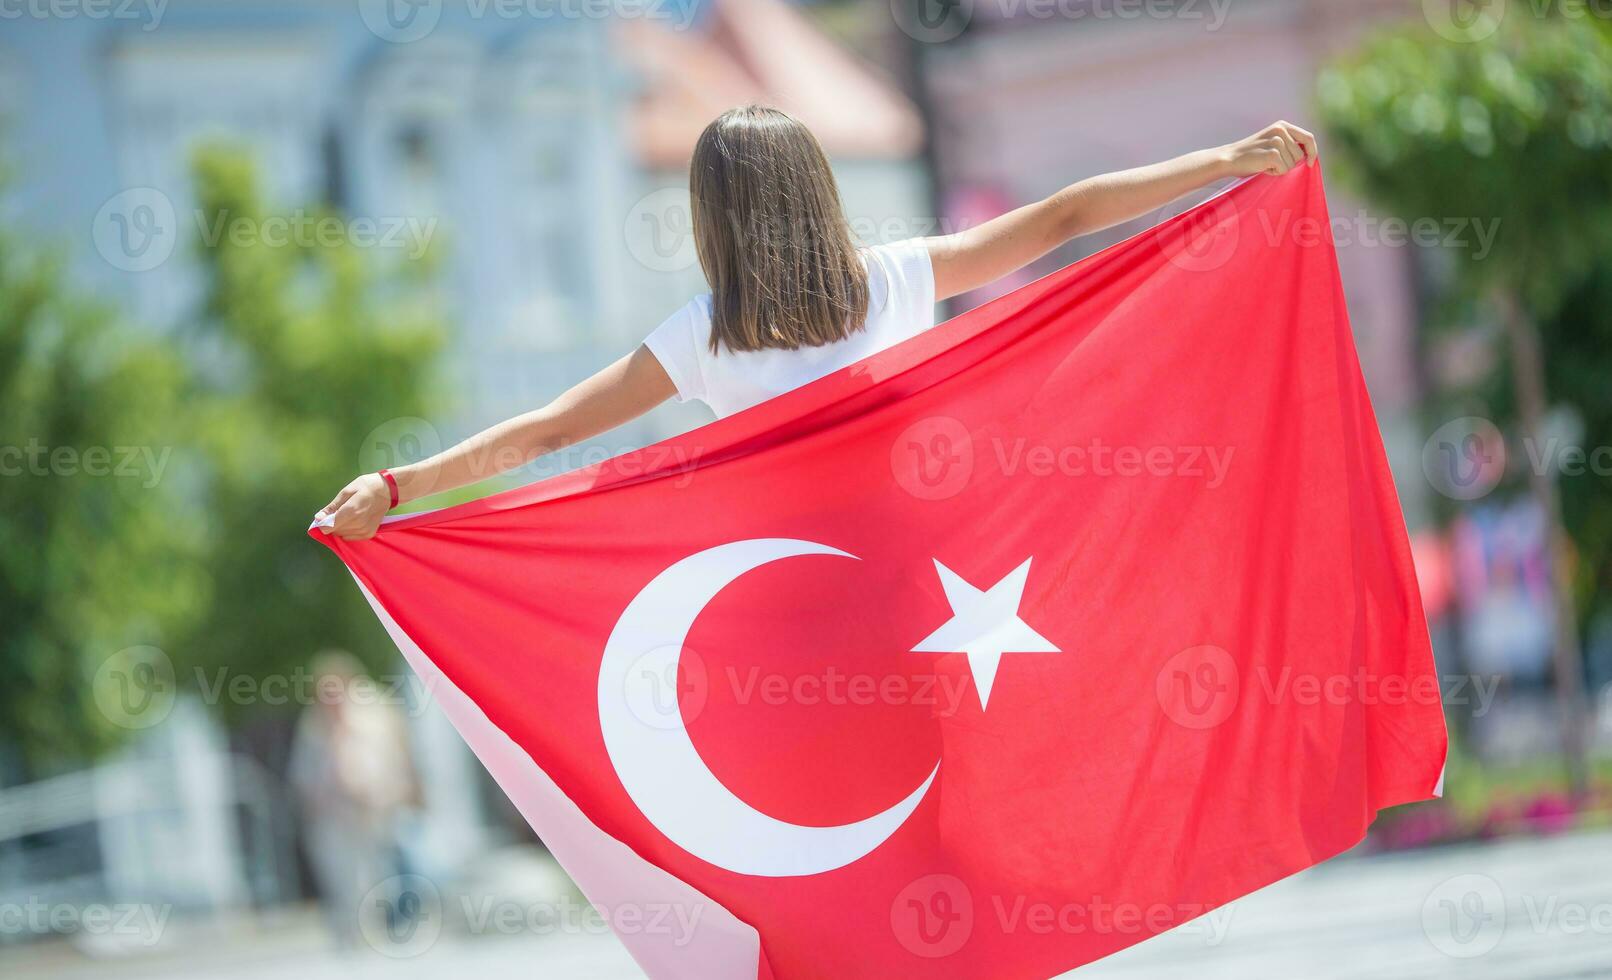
x=1513, y=122
x=304, y=344
x=155, y=488
x=93, y=557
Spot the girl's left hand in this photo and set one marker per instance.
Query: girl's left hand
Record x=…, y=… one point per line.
x=1276, y=149
x=358, y=509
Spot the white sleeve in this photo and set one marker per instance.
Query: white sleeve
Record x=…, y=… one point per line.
x=911, y=280
x=677, y=345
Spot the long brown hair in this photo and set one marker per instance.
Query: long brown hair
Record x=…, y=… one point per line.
x=772, y=236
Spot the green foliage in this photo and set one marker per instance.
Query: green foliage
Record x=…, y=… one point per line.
x=1579, y=367
x=1517, y=126
x=90, y=561
x=234, y=431
x=304, y=345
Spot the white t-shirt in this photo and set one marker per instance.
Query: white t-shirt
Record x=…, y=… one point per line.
x=901, y=304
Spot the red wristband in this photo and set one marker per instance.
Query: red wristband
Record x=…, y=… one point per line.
x=391, y=486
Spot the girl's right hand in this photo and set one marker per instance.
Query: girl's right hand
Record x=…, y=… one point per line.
x=1276, y=149
x=358, y=509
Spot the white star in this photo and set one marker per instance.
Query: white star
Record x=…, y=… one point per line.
x=984, y=625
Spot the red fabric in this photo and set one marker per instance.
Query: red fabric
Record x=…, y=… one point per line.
x=1170, y=758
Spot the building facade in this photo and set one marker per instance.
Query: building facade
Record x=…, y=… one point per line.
x=538, y=149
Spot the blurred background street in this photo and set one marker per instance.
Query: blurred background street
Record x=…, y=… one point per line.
x=250, y=249
x=1395, y=917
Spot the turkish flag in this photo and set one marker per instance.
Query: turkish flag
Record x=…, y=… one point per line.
x=1055, y=627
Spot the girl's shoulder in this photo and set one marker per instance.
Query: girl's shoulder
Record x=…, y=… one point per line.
x=901, y=281
x=682, y=344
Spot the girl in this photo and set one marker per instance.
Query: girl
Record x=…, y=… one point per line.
x=791, y=298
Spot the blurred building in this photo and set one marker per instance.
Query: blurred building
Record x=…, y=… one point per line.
x=1031, y=97
x=547, y=156
x=543, y=148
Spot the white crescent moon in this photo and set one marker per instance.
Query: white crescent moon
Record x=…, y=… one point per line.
x=658, y=764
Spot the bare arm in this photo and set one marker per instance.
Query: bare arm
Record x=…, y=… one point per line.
x=618, y=394
x=982, y=254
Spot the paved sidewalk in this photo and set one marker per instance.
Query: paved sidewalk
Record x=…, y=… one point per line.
x=1519, y=910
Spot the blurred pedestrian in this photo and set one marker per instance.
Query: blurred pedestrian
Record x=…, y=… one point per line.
x=352, y=775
